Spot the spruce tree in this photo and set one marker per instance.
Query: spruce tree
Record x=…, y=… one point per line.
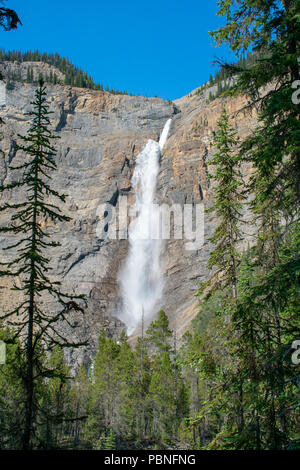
x=227, y=207
x=256, y=371
x=224, y=257
x=11, y=392
x=272, y=29
x=34, y=325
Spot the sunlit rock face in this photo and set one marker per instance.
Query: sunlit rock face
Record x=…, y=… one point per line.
x=100, y=137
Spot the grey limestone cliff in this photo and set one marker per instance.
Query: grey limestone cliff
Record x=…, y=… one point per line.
x=100, y=137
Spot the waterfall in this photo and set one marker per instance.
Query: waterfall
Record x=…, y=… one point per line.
x=141, y=278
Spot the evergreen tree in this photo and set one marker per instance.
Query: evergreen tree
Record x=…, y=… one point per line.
x=158, y=333
x=126, y=399
x=273, y=150
x=272, y=29
x=35, y=325
x=11, y=392
x=84, y=426
x=71, y=73
x=9, y=85
x=28, y=77
x=105, y=383
x=140, y=390
x=54, y=408
x=110, y=441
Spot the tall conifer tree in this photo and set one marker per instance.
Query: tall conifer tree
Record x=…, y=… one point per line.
x=227, y=206
x=34, y=325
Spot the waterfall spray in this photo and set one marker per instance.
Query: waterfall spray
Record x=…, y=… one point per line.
x=141, y=277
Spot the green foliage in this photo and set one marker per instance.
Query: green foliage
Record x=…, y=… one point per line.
x=54, y=402
x=232, y=385
x=158, y=333
x=224, y=77
x=12, y=394
x=9, y=85
x=110, y=441
x=9, y=19
x=246, y=391
x=273, y=27
x=227, y=207
x=133, y=395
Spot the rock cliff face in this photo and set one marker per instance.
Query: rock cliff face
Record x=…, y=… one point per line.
x=100, y=137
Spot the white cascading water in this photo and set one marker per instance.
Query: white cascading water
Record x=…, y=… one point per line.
x=141, y=278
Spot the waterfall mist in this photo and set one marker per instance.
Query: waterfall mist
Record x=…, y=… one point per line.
x=141, y=277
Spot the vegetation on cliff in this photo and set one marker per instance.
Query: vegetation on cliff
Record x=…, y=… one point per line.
x=73, y=75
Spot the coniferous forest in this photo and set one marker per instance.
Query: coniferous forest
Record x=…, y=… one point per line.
x=232, y=381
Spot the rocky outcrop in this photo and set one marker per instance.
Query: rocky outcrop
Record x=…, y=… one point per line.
x=100, y=137
x=20, y=69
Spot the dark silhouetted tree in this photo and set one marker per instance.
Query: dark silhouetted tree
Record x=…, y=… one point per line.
x=36, y=327
x=8, y=18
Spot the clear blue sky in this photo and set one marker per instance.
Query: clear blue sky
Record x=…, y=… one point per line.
x=160, y=47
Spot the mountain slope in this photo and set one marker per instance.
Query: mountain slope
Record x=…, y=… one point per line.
x=100, y=136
